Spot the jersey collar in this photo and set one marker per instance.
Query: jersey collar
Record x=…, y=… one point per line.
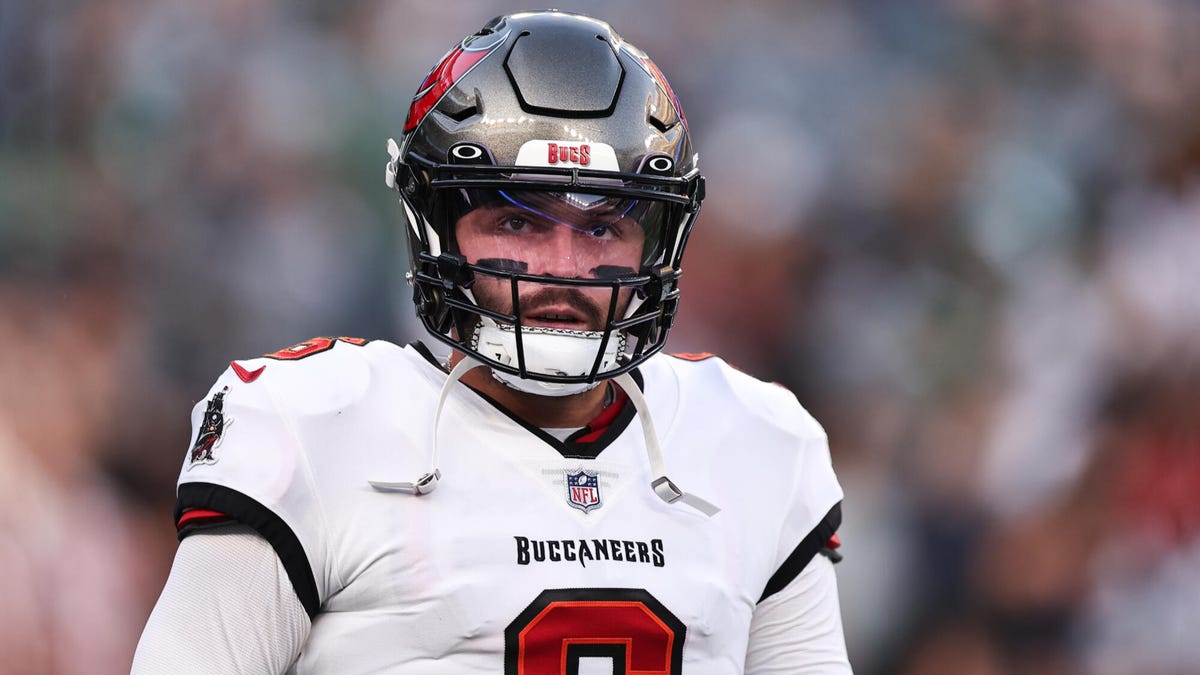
x=586, y=443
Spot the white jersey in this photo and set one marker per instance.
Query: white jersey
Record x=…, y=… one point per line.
x=533, y=555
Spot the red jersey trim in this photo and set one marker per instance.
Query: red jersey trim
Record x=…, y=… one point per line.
x=686, y=356
x=200, y=517
x=600, y=424
x=244, y=375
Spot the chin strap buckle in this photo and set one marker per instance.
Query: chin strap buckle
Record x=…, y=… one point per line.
x=429, y=482
x=666, y=490
x=670, y=493
x=664, y=487
x=392, y=169
x=423, y=485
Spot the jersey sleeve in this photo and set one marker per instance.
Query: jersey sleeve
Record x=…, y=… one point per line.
x=208, y=619
x=246, y=464
x=799, y=629
x=815, y=503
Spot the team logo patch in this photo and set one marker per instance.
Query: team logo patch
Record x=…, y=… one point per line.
x=212, y=429
x=583, y=490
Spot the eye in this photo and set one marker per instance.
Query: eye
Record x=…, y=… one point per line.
x=602, y=231
x=515, y=223
x=608, y=229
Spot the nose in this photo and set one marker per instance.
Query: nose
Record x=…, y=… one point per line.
x=559, y=254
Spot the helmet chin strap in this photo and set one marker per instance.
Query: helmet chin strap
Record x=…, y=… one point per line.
x=666, y=490
x=664, y=487
x=429, y=482
x=548, y=351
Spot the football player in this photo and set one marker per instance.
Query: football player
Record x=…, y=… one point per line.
x=353, y=506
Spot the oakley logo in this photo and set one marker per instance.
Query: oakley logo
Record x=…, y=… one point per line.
x=569, y=154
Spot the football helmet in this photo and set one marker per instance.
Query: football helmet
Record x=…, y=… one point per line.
x=548, y=185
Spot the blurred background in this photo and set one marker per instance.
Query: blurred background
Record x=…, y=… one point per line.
x=965, y=232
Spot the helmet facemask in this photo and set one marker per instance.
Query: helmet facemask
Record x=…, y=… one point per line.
x=555, y=283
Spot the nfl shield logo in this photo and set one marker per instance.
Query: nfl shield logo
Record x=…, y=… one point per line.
x=583, y=490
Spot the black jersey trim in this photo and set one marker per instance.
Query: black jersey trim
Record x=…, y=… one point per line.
x=804, y=552
x=258, y=517
x=567, y=448
x=425, y=352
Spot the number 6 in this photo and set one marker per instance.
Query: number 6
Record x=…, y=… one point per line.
x=561, y=626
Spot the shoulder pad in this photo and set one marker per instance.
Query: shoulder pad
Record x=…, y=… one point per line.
x=309, y=377
x=768, y=402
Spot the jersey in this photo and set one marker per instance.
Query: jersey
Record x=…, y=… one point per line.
x=534, y=555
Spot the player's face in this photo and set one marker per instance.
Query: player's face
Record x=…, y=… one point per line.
x=571, y=236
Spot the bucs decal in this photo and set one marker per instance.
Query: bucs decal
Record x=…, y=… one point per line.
x=542, y=152
x=453, y=66
x=578, y=153
x=212, y=430
x=583, y=490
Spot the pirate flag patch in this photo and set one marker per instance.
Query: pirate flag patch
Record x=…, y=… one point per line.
x=211, y=430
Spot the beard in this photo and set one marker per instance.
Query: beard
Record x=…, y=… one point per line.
x=589, y=308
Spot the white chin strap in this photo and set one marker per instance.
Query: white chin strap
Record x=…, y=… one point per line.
x=666, y=490
x=428, y=482
x=548, y=351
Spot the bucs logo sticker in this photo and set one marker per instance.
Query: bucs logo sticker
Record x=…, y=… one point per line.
x=453, y=66
x=583, y=490
x=212, y=429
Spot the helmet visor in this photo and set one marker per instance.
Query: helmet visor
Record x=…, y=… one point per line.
x=572, y=235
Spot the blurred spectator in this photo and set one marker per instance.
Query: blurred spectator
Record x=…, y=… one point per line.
x=75, y=552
